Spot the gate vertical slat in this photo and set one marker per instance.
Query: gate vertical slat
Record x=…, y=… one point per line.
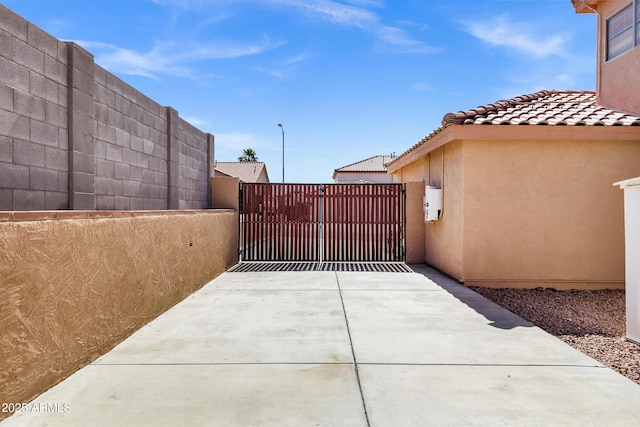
x=381, y=225
x=257, y=220
x=392, y=230
x=282, y=223
x=328, y=223
x=388, y=206
x=274, y=215
x=384, y=228
x=265, y=248
x=304, y=221
x=296, y=248
x=317, y=216
x=315, y=219
x=353, y=222
x=361, y=222
x=378, y=223
x=399, y=217
x=337, y=206
x=253, y=221
x=348, y=197
x=332, y=206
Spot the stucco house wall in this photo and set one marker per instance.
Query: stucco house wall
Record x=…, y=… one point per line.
x=527, y=206
x=615, y=77
x=544, y=213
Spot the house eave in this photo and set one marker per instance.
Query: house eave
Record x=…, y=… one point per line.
x=585, y=6
x=515, y=133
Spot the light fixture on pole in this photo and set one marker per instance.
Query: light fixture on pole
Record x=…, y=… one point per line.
x=282, y=128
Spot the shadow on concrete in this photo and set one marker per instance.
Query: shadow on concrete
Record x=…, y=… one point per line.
x=498, y=317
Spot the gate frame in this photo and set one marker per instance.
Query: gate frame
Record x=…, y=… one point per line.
x=321, y=223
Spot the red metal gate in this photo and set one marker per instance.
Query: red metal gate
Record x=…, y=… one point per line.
x=322, y=222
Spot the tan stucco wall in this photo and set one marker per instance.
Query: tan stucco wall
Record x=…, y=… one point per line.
x=528, y=213
x=618, y=79
x=442, y=168
x=444, y=238
x=225, y=193
x=416, y=171
x=72, y=289
x=414, y=236
x=545, y=214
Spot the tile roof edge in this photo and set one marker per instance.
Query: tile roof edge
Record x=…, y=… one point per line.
x=460, y=117
x=360, y=161
x=233, y=163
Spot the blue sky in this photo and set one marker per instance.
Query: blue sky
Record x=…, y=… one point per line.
x=348, y=79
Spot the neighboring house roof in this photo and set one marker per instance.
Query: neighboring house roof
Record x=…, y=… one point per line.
x=372, y=164
x=544, y=108
x=245, y=171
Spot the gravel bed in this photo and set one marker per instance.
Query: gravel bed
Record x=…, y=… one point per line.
x=590, y=321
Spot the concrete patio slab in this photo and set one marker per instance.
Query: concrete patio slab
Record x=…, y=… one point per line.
x=277, y=349
x=422, y=328
x=243, y=327
x=372, y=281
x=203, y=395
x=414, y=395
x=275, y=281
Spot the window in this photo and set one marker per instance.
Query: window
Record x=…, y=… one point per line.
x=621, y=36
x=637, y=22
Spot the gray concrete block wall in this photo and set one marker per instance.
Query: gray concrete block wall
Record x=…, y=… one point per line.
x=33, y=117
x=131, y=141
x=194, y=169
x=74, y=136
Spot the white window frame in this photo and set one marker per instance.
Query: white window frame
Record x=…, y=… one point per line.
x=626, y=38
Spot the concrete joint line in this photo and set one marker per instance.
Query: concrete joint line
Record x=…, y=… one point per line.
x=353, y=353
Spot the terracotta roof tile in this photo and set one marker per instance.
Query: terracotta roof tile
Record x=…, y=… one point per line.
x=245, y=171
x=544, y=108
x=571, y=108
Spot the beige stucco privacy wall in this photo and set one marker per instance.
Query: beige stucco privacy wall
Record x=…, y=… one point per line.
x=414, y=235
x=225, y=192
x=74, y=136
x=442, y=239
x=527, y=209
x=75, y=283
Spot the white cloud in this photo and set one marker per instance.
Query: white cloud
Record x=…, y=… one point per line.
x=279, y=74
x=170, y=58
x=284, y=68
x=196, y=121
x=367, y=3
x=390, y=39
x=329, y=10
x=397, y=40
x=500, y=31
x=355, y=14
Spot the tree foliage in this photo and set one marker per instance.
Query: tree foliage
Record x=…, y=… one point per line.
x=248, y=155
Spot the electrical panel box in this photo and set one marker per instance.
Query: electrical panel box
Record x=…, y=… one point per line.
x=432, y=203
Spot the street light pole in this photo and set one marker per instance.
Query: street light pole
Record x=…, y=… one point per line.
x=282, y=129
